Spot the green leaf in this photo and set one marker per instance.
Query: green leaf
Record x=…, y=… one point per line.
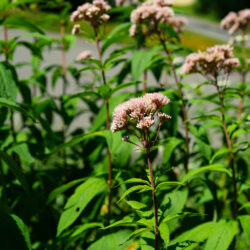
x=62, y=189
x=147, y=241
x=196, y=234
x=179, y=216
x=219, y=153
x=126, y=221
x=86, y=227
x=18, y=22
x=169, y=147
x=140, y=61
x=16, y=170
x=136, y=233
x=124, y=85
x=114, y=36
x=136, y=205
x=22, y=150
x=12, y=105
x=23, y=229
x=201, y=170
x=14, y=234
x=245, y=222
x=168, y=183
x=112, y=241
x=246, y=205
x=164, y=232
x=205, y=148
x=133, y=189
x=75, y=140
x=243, y=240
x=79, y=200
x=173, y=203
x=7, y=84
x=137, y=180
x=222, y=235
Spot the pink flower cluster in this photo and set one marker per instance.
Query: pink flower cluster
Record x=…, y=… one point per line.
x=139, y=111
x=94, y=13
x=84, y=55
x=211, y=61
x=236, y=21
x=152, y=13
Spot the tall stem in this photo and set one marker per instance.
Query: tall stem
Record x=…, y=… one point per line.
x=107, y=123
x=154, y=199
x=183, y=107
x=229, y=144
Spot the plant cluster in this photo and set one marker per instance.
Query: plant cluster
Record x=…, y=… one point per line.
x=153, y=163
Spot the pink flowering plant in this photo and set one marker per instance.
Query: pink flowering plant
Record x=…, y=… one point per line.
x=136, y=116
x=93, y=155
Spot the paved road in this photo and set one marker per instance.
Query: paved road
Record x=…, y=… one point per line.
x=207, y=28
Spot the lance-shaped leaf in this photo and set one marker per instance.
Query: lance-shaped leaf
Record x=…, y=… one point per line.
x=79, y=200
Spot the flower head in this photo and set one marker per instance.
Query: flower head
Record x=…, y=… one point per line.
x=234, y=22
x=95, y=13
x=138, y=111
x=149, y=14
x=211, y=61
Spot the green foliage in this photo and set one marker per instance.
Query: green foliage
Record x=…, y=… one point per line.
x=83, y=194
x=68, y=182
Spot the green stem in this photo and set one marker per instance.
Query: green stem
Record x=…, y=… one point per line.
x=154, y=199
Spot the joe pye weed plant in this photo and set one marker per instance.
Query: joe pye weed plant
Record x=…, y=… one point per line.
x=161, y=175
